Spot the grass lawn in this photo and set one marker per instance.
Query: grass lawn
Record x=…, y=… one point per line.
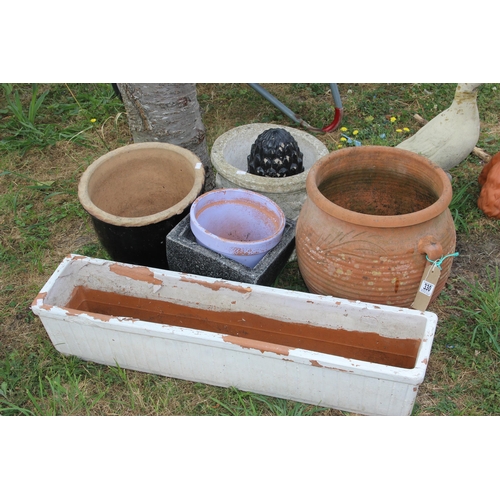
x=50, y=133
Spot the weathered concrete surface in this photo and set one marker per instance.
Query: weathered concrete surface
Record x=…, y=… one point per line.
x=185, y=255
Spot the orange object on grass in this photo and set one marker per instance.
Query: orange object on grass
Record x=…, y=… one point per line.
x=489, y=179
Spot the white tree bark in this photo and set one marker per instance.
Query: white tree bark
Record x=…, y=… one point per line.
x=167, y=112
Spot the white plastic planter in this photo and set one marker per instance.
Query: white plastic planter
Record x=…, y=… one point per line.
x=237, y=223
x=260, y=339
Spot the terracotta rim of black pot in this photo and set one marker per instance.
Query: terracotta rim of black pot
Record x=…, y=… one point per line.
x=135, y=149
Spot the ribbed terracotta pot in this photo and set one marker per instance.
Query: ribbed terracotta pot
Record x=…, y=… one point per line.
x=372, y=215
x=136, y=195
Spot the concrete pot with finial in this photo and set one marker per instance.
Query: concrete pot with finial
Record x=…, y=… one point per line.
x=373, y=218
x=230, y=154
x=136, y=194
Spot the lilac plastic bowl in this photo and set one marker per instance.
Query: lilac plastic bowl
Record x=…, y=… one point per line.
x=237, y=223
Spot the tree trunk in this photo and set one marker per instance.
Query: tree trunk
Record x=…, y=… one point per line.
x=167, y=112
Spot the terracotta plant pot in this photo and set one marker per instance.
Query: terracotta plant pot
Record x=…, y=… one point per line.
x=372, y=215
x=136, y=194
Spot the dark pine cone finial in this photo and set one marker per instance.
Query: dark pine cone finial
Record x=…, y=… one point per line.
x=275, y=153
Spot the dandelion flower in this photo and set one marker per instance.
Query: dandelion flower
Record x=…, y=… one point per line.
x=399, y=131
x=93, y=120
x=343, y=139
x=406, y=129
x=355, y=132
x=339, y=146
x=393, y=119
x=343, y=129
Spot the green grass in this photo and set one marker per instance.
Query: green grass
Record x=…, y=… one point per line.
x=464, y=374
x=33, y=118
x=463, y=207
x=482, y=308
x=47, y=140
x=239, y=403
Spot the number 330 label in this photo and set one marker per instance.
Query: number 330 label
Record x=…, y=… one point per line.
x=426, y=288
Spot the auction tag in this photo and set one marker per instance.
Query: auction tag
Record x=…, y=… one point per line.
x=426, y=287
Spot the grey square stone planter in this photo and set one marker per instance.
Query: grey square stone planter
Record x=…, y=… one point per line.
x=185, y=255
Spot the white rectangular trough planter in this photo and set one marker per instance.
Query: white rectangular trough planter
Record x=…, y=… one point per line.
x=353, y=356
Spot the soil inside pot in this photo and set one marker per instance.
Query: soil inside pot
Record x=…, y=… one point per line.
x=140, y=187
x=377, y=192
x=365, y=346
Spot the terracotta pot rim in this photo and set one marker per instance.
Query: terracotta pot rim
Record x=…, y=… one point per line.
x=434, y=172
x=98, y=213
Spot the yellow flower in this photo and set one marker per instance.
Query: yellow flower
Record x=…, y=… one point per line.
x=343, y=129
x=406, y=129
x=399, y=130
x=93, y=120
x=339, y=146
x=355, y=132
x=343, y=139
x=393, y=119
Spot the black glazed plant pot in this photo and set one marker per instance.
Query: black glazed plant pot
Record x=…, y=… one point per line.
x=136, y=195
x=144, y=245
